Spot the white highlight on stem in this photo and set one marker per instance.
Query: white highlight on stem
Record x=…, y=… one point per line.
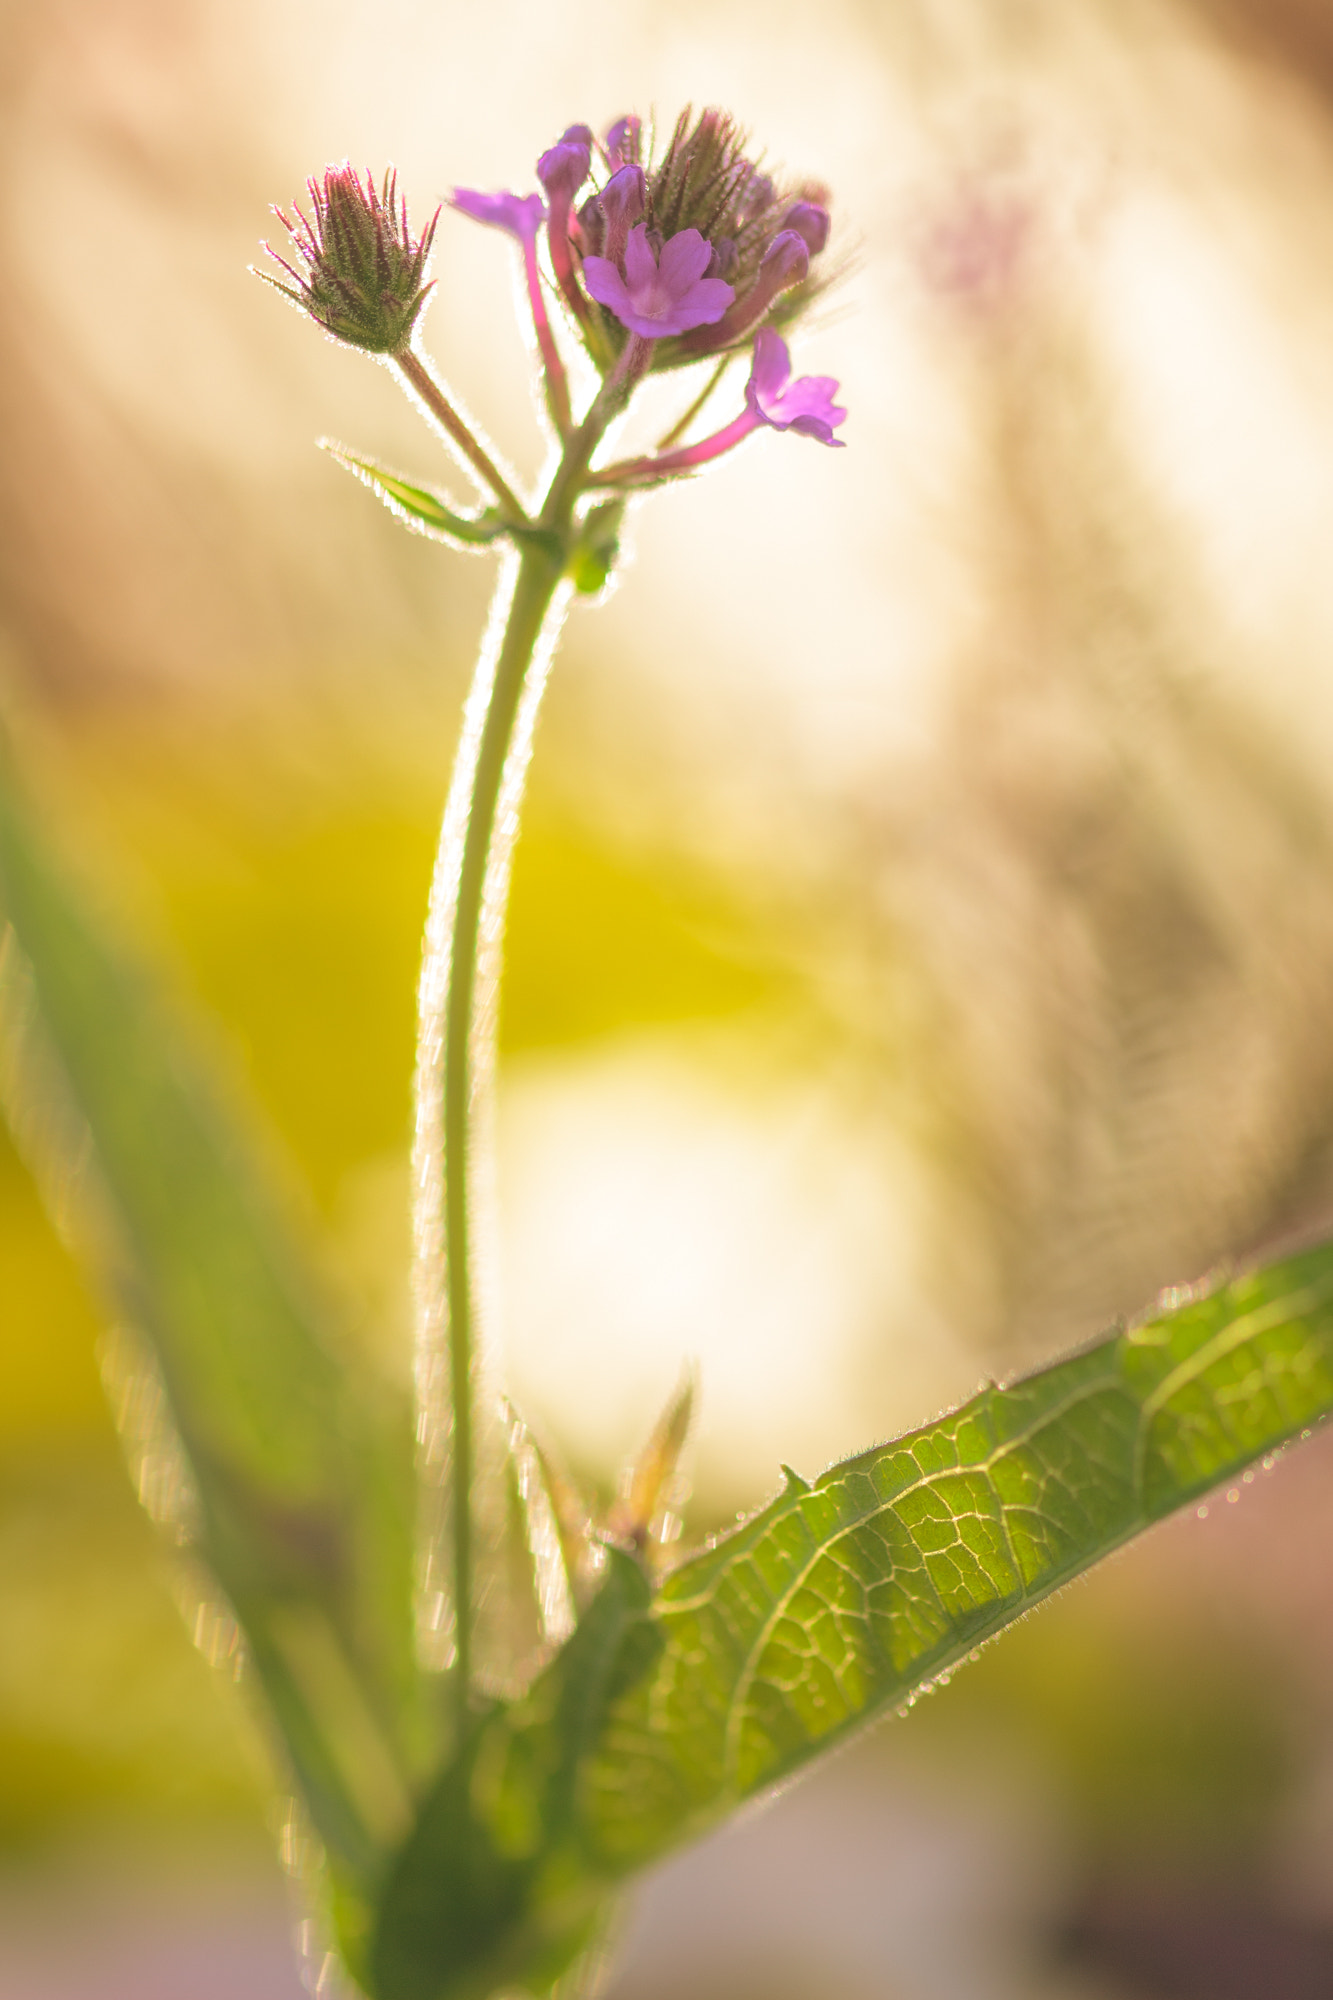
x=437, y=1610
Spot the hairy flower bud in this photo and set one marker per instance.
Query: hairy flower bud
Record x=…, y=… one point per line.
x=361, y=275
x=563, y=168
x=621, y=202
x=811, y=223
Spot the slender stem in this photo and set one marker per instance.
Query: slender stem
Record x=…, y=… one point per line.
x=541, y=565
x=682, y=424
x=428, y=391
x=644, y=471
x=539, y=572
x=553, y=368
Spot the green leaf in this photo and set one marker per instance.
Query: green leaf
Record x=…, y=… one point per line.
x=297, y=1485
x=421, y=507
x=845, y=1597
x=842, y=1599
x=598, y=547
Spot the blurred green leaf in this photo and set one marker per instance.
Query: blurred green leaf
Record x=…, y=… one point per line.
x=840, y=1600
x=298, y=1484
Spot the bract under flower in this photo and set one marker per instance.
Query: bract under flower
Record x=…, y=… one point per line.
x=660, y=295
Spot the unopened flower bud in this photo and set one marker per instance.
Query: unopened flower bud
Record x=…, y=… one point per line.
x=562, y=170
x=362, y=274
x=784, y=264
x=811, y=223
x=623, y=142
x=564, y=167
x=621, y=202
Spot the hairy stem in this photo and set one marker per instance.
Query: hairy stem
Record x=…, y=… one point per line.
x=682, y=423
x=453, y=1072
x=417, y=374
x=457, y=1020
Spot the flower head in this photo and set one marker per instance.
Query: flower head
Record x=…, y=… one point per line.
x=521, y=215
x=762, y=238
x=361, y=275
x=805, y=405
x=660, y=295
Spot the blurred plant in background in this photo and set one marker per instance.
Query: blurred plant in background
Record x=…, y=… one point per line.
x=1063, y=749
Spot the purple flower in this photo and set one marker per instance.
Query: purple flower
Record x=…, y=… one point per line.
x=805, y=405
x=522, y=215
x=662, y=295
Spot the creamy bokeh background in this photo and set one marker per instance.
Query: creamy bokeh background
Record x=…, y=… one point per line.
x=923, y=936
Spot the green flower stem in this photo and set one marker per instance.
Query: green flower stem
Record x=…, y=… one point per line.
x=467, y=876
x=417, y=374
x=539, y=573
x=682, y=423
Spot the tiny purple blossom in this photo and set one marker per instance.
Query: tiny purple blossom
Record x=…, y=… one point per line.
x=805, y=405
x=521, y=215
x=658, y=296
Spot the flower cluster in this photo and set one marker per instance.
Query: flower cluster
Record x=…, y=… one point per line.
x=693, y=252
x=657, y=262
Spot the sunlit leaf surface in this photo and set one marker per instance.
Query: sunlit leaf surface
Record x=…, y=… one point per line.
x=840, y=1600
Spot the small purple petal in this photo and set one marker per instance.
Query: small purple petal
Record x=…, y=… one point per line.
x=521, y=215
x=805, y=406
x=684, y=259
x=606, y=285
x=771, y=369
x=811, y=223
x=655, y=297
x=640, y=263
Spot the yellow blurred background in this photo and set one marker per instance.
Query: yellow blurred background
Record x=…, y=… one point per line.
x=922, y=938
